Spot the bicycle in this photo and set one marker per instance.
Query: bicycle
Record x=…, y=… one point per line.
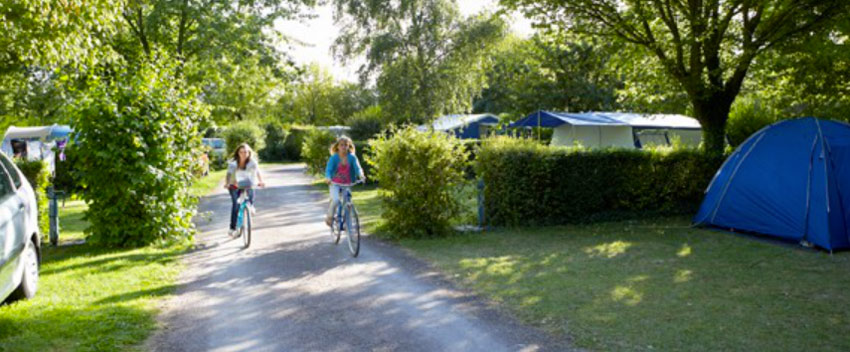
x=346, y=219
x=243, y=218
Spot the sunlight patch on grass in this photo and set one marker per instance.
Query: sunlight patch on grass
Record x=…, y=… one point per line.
x=608, y=250
x=682, y=276
x=684, y=251
x=626, y=295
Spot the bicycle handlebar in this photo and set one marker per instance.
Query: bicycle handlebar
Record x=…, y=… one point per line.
x=348, y=184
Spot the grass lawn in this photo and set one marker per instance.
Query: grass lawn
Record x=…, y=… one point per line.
x=207, y=183
x=90, y=298
x=651, y=285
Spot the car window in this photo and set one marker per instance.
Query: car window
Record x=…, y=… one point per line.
x=5, y=184
x=218, y=144
x=16, y=177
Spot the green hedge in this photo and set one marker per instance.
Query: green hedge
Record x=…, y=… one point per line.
x=530, y=184
x=419, y=173
x=39, y=178
x=294, y=142
x=316, y=150
x=275, y=140
x=244, y=132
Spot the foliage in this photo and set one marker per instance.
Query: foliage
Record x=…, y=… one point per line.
x=528, y=183
x=64, y=174
x=243, y=132
x=137, y=139
x=418, y=173
x=747, y=117
x=274, y=145
x=316, y=150
x=367, y=123
x=550, y=72
x=707, y=47
x=431, y=61
x=295, y=141
x=38, y=176
x=47, y=33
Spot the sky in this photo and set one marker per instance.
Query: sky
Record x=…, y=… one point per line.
x=318, y=34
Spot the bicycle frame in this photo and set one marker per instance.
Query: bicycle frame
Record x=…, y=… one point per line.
x=243, y=202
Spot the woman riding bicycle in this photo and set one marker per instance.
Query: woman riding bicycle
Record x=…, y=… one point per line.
x=243, y=172
x=342, y=168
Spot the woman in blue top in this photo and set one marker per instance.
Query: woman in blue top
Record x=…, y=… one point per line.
x=343, y=167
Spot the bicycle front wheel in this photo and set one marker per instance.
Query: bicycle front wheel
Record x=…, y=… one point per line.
x=246, y=227
x=352, y=229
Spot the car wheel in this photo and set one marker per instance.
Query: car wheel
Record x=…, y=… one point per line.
x=29, y=281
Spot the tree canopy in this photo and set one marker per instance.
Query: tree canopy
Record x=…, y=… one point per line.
x=706, y=46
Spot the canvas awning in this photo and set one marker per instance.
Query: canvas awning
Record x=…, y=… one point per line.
x=551, y=119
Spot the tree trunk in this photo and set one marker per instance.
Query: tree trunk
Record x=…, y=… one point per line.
x=712, y=112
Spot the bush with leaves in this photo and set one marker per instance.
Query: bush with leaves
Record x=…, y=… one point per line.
x=748, y=115
x=419, y=173
x=366, y=124
x=526, y=183
x=295, y=142
x=63, y=175
x=137, y=140
x=275, y=138
x=316, y=150
x=38, y=176
x=243, y=132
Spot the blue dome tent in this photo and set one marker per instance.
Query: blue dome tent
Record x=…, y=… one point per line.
x=789, y=180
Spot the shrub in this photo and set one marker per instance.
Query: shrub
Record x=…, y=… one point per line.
x=218, y=161
x=243, y=132
x=365, y=152
x=530, y=184
x=419, y=173
x=366, y=124
x=275, y=138
x=63, y=176
x=747, y=117
x=315, y=150
x=137, y=140
x=295, y=141
x=39, y=178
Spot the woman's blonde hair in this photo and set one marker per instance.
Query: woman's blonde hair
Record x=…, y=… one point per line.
x=335, y=146
x=236, y=155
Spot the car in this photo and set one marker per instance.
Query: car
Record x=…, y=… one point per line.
x=216, y=145
x=20, y=243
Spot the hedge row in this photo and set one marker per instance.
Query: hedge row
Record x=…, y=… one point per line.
x=39, y=178
x=530, y=184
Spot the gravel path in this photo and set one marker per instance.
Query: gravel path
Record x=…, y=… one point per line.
x=293, y=290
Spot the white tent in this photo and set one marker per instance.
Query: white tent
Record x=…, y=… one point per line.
x=615, y=129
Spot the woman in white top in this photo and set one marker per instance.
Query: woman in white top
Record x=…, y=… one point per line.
x=243, y=173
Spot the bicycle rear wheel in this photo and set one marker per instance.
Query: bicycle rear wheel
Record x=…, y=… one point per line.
x=352, y=229
x=246, y=227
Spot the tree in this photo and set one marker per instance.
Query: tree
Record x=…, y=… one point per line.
x=49, y=33
x=706, y=46
x=565, y=73
x=312, y=101
x=430, y=61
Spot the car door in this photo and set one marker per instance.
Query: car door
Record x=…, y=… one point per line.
x=11, y=222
